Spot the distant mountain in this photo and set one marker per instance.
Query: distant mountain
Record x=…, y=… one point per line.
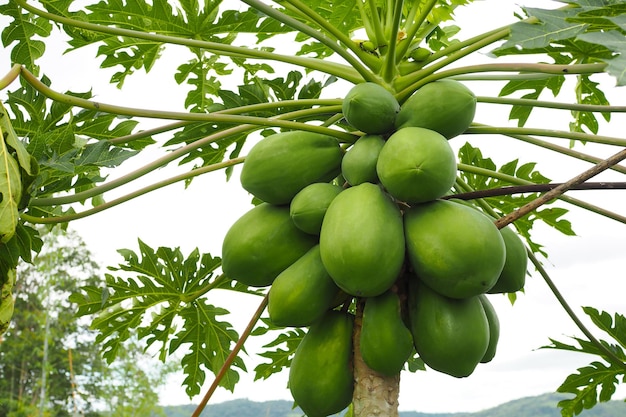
x=539, y=406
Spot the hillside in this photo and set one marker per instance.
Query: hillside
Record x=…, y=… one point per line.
x=539, y=406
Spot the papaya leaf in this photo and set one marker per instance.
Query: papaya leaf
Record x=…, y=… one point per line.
x=10, y=190
x=26, y=161
x=22, y=35
x=592, y=21
x=24, y=242
x=615, y=327
x=60, y=143
x=209, y=344
x=7, y=302
x=536, y=87
x=614, y=40
x=285, y=345
x=597, y=381
x=158, y=289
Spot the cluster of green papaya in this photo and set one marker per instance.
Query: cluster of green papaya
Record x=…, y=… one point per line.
x=370, y=223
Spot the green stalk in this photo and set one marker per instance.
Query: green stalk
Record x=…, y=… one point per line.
x=235, y=110
x=367, y=25
x=377, y=24
x=413, y=81
x=598, y=108
x=339, y=70
x=369, y=60
x=10, y=76
x=389, y=62
x=565, y=151
x=182, y=177
x=190, y=297
x=162, y=161
x=416, y=23
x=109, y=204
x=142, y=134
x=560, y=134
x=503, y=77
x=172, y=115
x=544, y=274
x=513, y=67
x=295, y=24
x=514, y=180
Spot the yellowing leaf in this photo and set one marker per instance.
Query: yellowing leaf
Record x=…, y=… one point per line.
x=6, y=300
x=10, y=192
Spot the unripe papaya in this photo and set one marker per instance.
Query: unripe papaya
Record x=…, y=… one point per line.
x=320, y=375
x=308, y=207
x=454, y=249
x=302, y=293
x=445, y=106
x=370, y=108
x=362, y=242
x=261, y=244
x=513, y=276
x=416, y=165
x=494, y=328
x=386, y=342
x=280, y=165
x=359, y=162
x=450, y=335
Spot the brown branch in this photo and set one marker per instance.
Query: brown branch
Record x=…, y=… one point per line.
x=230, y=359
x=561, y=189
x=534, y=188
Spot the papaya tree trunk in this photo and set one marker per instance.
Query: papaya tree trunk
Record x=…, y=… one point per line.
x=375, y=394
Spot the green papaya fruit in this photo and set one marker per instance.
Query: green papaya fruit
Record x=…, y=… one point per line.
x=280, y=165
x=445, y=106
x=513, y=276
x=361, y=241
x=454, y=249
x=261, y=244
x=494, y=328
x=385, y=341
x=416, y=165
x=370, y=108
x=320, y=375
x=302, y=293
x=308, y=207
x=450, y=335
x=420, y=54
x=359, y=162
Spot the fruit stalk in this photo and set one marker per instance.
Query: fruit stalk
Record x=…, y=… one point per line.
x=375, y=394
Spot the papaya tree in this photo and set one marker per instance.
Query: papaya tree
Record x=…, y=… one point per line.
x=378, y=227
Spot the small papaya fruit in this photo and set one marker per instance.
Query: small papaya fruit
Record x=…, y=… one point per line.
x=302, y=293
x=308, y=207
x=261, y=244
x=320, y=375
x=513, y=275
x=416, y=165
x=445, y=106
x=450, y=335
x=370, y=108
x=280, y=165
x=385, y=341
x=359, y=163
x=494, y=328
x=454, y=249
x=361, y=241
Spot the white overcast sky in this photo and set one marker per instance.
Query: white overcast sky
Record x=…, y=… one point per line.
x=589, y=268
